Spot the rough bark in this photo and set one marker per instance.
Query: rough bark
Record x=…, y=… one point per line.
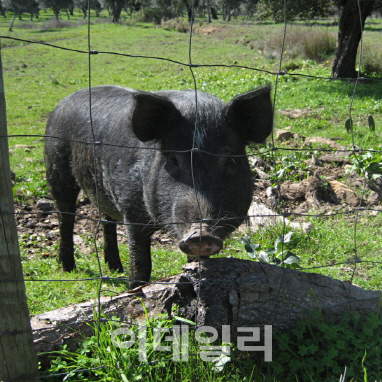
x=217, y=292
x=17, y=355
x=117, y=6
x=351, y=24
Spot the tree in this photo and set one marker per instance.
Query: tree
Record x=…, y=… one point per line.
x=228, y=7
x=57, y=5
x=83, y=5
x=115, y=7
x=303, y=9
x=353, y=14
x=158, y=10
x=133, y=6
x=190, y=7
x=2, y=9
x=21, y=6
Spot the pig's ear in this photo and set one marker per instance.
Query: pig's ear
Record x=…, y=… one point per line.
x=152, y=116
x=251, y=114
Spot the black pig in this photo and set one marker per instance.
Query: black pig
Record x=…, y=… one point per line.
x=173, y=159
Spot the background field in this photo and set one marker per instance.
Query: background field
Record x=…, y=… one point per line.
x=37, y=77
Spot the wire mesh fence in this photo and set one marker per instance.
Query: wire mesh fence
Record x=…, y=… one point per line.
x=284, y=212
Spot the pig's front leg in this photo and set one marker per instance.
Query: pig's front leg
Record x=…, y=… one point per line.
x=140, y=257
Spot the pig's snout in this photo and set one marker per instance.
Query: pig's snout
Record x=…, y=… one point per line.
x=199, y=242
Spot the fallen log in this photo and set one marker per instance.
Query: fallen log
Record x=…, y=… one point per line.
x=216, y=292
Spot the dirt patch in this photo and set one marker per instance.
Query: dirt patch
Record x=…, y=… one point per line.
x=325, y=187
x=38, y=227
x=209, y=29
x=297, y=113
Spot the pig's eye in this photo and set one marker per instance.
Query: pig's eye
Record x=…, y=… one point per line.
x=172, y=165
x=230, y=165
x=173, y=161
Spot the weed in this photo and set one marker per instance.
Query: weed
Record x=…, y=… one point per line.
x=286, y=167
x=319, y=351
x=367, y=164
x=278, y=255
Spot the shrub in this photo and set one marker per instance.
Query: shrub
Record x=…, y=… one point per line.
x=312, y=44
x=56, y=24
x=371, y=64
x=178, y=24
x=30, y=25
x=318, y=45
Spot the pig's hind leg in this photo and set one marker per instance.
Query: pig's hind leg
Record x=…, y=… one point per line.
x=64, y=190
x=112, y=258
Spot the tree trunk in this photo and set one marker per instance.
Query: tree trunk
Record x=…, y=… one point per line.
x=17, y=355
x=217, y=292
x=117, y=10
x=13, y=21
x=351, y=24
x=214, y=13
x=191, y=6
x=208, y=6
x=56, y=12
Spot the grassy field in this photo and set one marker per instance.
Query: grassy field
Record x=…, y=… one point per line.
x=37, y=77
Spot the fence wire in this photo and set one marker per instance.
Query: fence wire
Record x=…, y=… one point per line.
x=284, y=214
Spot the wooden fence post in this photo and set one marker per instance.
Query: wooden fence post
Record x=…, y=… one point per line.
x=18, y=360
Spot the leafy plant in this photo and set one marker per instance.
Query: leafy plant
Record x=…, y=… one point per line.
x=289, y=167
x=277, y=255
x=368, y=164
x=286, y=167
x=316, y=350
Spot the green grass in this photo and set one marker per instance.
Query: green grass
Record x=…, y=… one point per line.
x=109, y=362
x=38, y=77
x=313, y=351
x=331, y=251
x=85, y=282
